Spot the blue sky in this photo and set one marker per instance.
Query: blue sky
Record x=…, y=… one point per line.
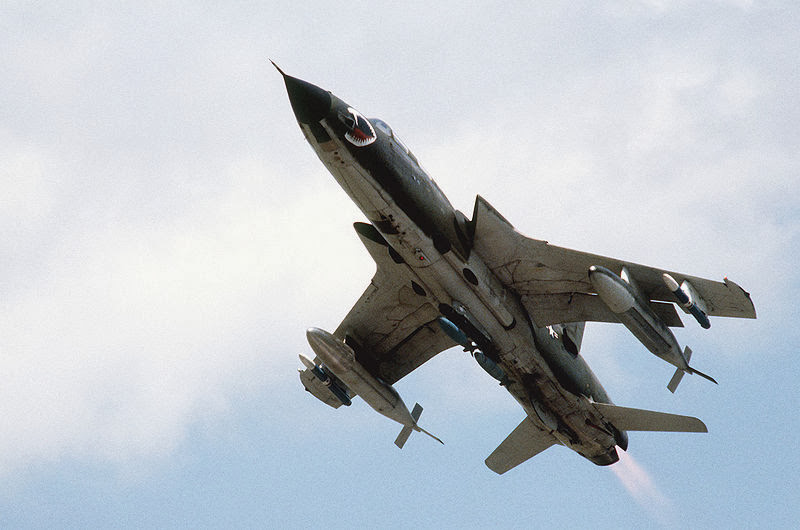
x=166, y=236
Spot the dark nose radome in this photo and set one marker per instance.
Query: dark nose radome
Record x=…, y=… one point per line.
x=309, y=102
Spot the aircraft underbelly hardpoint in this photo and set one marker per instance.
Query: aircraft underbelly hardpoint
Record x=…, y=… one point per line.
x=518, y=305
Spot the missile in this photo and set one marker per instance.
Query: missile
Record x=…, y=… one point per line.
x=689, y=303
x=307, y=362
x=635, y=314
x=325, y=379
x=339, y=358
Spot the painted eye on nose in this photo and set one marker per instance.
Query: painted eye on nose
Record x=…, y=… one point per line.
x=359, y=129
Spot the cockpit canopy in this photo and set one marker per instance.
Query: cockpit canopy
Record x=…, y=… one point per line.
x=383, y=126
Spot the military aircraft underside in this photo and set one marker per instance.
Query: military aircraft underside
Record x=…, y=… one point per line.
x=519, y=305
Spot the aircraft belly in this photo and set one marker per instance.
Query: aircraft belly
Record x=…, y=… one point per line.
x=353, y=179
x=369, y=199
x=571, y=428
x=550, y=402
x=554, y=405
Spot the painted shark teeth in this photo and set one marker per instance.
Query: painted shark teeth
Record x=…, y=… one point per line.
x=361, y=132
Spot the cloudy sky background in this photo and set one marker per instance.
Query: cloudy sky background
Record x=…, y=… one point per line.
x=166, y=236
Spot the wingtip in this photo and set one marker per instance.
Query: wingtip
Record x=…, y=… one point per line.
x=747, y=314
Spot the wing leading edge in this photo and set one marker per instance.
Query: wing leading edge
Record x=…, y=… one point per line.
x=554, y=285
x=524, y=442
x=392, y=328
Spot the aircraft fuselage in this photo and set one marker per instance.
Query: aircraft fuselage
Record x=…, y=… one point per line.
x=432, y=240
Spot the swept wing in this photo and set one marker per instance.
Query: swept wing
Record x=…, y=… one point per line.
x=555, y=288
x=391, y=328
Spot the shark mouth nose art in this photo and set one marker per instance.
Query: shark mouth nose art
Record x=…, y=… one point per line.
x=360, y=131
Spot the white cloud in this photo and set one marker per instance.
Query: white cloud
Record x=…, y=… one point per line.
x=28, y=196
x=154, y=266
x=119, y=335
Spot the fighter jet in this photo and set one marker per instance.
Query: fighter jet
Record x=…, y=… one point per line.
x=518, y=305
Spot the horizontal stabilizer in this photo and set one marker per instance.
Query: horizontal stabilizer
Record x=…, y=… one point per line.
x=524, y=442
x=627, y=419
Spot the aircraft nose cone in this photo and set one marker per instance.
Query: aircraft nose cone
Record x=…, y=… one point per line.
x=309, y=102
